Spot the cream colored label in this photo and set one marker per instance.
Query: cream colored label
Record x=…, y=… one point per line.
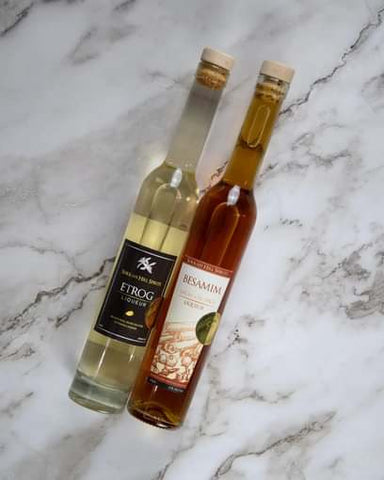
x=191, y=322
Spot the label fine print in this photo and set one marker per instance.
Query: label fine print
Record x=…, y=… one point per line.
x=138, y=282
x=191, y=323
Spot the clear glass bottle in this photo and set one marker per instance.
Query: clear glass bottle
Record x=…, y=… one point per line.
x=155, y=235
x=190, y=313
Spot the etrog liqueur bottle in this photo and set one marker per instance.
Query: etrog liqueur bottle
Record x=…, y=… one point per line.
x=190, y=313
x=154, y=237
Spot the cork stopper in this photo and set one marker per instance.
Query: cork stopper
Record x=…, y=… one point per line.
x=277, y=70
x=213, y=70
x=218, y=58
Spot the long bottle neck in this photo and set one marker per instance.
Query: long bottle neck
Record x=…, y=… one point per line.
x=256, y=132
x=197, y=118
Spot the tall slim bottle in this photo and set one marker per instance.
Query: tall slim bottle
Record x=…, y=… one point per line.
x=190, y=313
x=154, y=238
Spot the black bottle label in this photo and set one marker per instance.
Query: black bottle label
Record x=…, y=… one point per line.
x=134, y=294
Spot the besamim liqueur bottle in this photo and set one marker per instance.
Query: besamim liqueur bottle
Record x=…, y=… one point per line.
x=154, y=238
x=190, y=313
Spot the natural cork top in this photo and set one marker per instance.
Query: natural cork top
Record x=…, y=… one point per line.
x=217, y=57
x=211, y=76
x=214, y=68
x=277, y=70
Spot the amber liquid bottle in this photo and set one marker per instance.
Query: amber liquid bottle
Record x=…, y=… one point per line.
x=190, y=313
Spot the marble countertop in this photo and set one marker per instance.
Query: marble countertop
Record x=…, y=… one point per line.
x=89, y=93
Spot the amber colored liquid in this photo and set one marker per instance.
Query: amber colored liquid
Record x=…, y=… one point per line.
x=219, y=234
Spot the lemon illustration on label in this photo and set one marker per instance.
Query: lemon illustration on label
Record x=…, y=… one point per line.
x=206, y=327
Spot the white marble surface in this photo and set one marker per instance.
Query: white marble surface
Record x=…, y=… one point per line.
x=89, y=93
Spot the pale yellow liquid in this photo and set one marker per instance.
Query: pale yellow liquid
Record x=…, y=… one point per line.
x=109, y=361
x=161, y=220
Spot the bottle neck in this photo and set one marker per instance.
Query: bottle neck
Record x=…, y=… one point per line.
x=197, y=118
x=256, y=132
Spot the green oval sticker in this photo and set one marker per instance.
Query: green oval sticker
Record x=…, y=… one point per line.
x=206, y=327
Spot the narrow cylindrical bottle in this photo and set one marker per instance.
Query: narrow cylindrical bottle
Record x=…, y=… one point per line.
x=154, y=237
x=190, y=313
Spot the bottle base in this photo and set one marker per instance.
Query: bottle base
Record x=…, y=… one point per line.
x=153, y=416
x=95, y=396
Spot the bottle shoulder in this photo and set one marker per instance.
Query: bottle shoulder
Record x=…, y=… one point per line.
x=222, y=225
x=232, y=195
x=168, y=196
x=169, y=174
x=166, y=177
